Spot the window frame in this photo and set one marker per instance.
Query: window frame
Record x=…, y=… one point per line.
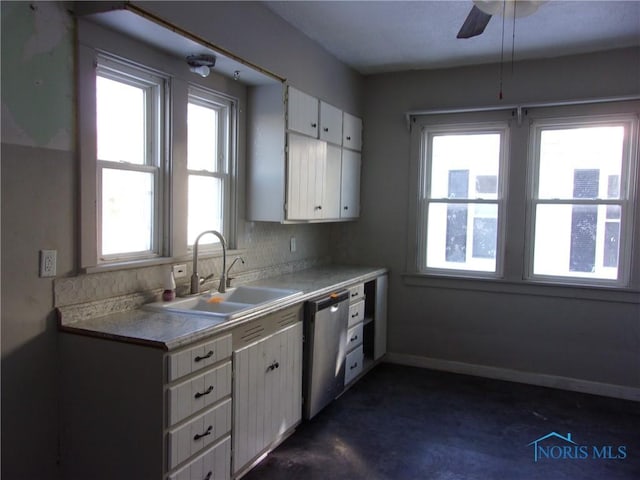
x=626, y=201
x=224, y=165
x=427, y=131
x=156, y=87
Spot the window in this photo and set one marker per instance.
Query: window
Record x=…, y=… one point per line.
x=581, y=199
x=129, y=116
x=461, y=198
x=573, y=178
x=208, y=126
x=158, y=151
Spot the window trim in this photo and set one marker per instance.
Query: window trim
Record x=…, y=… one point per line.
x=427, y=131
x=628, y=172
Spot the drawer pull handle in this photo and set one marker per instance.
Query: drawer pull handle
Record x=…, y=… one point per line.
x=198, y=436
x=355, y=365
x=208, y=355
x=273, y=366
x=208, y=477
x=354, y=294
x=353, y=339
x=206, y=392
x=355, y=315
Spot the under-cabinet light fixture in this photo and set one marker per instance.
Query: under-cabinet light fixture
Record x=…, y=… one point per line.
x=201, y=64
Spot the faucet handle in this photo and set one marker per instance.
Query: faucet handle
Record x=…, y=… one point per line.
x=204, y=279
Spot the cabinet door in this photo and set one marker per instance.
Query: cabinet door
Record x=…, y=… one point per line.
x=267, y=392
x=352, y=132
x=302, y=113
x=350, y=184
x=330, y=123
x=332, y=183
x=380, y=318
x=306, y=169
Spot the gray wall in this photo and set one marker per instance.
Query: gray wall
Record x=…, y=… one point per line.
x=529, y=330
x=39, y=192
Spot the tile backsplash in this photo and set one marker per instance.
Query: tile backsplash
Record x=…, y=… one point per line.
x=265, y=247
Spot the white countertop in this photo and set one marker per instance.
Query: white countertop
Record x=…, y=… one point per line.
x=170, y=330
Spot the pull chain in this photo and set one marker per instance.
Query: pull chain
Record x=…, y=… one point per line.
x=504, y=7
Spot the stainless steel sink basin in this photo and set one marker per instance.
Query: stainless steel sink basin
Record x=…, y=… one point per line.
x=224, y=306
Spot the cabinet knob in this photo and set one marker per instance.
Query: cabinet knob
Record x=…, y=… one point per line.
x=314, y=125
x=326, y=129
x=346, y=207
x=355, y=365
x=319, y=207
x=348, y=138
x=208, y=477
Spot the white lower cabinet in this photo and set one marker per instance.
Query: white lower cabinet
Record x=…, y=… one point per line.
x=212, y=464
x=353, y=364
x=267, y=387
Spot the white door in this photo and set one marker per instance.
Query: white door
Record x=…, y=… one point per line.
x=350, y=184
x=330, y=124
x=306, y=168
x=302, y=113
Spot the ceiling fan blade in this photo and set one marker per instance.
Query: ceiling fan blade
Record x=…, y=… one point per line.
x=475, y=23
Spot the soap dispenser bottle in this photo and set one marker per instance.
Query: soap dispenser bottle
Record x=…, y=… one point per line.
x=169, y=286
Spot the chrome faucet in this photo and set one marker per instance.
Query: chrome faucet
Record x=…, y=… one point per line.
x=241, y=260
x=195, y=278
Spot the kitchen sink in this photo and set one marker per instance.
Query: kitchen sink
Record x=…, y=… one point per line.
x=224, y=306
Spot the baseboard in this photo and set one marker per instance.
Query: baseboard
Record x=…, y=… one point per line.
x=540, y=379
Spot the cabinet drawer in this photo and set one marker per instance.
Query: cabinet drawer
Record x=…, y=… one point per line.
x=198, y=357
x=354, y=336
x=188, y=397
x=356, y=313
x=213, y=464
x=198, y=433
x=353, y=364
x=356, y=293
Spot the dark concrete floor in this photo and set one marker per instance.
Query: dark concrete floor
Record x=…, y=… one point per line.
x=408, y=423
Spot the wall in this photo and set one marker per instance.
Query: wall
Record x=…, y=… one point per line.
x=39, y=199
x=523, y=333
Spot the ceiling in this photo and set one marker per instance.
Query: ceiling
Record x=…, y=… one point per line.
x=387, y=36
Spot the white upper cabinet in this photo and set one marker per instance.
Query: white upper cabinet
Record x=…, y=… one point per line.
x=330, y=123
x=306, y=165
x=350, y=184
x=352, y=132
x=314, y=183
x=332, y=183
x=302, y=113
x=297, y=170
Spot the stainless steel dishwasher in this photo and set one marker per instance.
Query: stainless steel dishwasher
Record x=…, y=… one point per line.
x=326, y=322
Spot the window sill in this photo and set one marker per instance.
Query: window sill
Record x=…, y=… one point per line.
x=544, y=289
x=152, y=262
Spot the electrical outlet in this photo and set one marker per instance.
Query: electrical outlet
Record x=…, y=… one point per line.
x=48, y=263
x=292, y=244
x=180, y=271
